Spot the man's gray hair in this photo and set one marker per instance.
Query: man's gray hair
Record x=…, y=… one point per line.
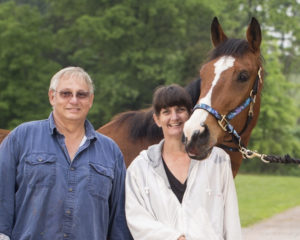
x=71, y=72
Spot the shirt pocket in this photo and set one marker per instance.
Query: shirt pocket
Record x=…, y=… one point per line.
x=40, y=170
x=100, y=181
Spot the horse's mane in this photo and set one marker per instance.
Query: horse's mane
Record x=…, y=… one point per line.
x=141, y=123
x=232, y=46
x=193, y=88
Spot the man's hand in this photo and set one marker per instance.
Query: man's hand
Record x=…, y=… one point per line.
x=181, y=238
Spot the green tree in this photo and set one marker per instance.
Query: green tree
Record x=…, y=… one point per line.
x=25, y=69
x=131, y=47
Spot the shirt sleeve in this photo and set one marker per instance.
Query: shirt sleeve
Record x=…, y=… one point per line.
x=8, y=155
x=118, y=229
x=232, y=225
x=142, y=224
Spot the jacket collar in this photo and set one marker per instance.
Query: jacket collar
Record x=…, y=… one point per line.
x=154, y=154
x=155, y=160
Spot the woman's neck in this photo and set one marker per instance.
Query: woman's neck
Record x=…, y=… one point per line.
x=172, y=145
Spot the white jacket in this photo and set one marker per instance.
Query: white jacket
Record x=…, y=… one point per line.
x=209, y=209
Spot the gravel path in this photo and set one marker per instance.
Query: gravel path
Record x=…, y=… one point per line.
x=283, y=226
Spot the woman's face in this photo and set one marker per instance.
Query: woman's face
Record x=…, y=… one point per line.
x=171, y=120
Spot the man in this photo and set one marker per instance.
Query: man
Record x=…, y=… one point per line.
x=59, y=178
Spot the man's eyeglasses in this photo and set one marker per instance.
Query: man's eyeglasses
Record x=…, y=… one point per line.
x=68, y=94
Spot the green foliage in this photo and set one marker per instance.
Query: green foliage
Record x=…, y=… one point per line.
x=24, y=74
x=261, y=197
x=131, y=47
x=128, y=47
x=283, y=25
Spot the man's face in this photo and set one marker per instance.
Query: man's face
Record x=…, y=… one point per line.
x=71, y=101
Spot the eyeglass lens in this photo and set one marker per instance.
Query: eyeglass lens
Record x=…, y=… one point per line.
x=69, y=94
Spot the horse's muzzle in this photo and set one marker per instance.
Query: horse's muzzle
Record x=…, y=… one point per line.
x=198, y=147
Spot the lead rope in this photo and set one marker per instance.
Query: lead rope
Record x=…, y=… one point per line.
x=286, y=159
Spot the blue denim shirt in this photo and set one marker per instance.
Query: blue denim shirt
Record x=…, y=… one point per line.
x=43, y=195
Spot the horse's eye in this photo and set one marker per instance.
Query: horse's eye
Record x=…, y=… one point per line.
x=243, y=76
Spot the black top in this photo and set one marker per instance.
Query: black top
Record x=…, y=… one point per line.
x=177, y=187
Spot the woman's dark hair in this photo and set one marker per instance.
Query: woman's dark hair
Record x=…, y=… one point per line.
x=169, y=96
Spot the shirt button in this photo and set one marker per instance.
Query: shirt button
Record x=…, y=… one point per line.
x=70, y=189
x=40, y=160
x=68, y=212
x=72, y=168
x=65, y=235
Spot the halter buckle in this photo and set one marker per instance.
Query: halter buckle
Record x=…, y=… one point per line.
x=223, y=122
x=248, y=153
x=250, y=113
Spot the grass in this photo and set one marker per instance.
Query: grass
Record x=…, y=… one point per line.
x=262, y=196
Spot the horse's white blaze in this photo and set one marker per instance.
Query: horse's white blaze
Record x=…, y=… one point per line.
x=199, y=116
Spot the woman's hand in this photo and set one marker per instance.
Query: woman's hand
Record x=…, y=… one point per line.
x=181, y=238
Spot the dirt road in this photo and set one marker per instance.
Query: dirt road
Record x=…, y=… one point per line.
x=283, y=226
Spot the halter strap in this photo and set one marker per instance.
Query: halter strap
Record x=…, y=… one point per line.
x=222, y=119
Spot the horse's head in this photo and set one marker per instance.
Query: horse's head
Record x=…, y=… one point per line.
x=230, y=81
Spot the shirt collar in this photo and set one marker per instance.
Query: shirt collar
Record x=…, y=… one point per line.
x=89, y=129
x=52, y=126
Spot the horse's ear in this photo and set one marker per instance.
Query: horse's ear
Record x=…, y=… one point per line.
x=217, y=34
x=254, y=35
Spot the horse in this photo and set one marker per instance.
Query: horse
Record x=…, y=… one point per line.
x=226, y=98
x=229, y=103
x=3, y=134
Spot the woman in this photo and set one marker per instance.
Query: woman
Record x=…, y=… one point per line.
x=169, y=195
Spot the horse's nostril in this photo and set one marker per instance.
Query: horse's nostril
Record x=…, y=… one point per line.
x=201, y=137
x=195, y=135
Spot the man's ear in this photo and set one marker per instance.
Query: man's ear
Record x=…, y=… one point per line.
x=51, y=97
x=156, y=120
x=91, y=100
